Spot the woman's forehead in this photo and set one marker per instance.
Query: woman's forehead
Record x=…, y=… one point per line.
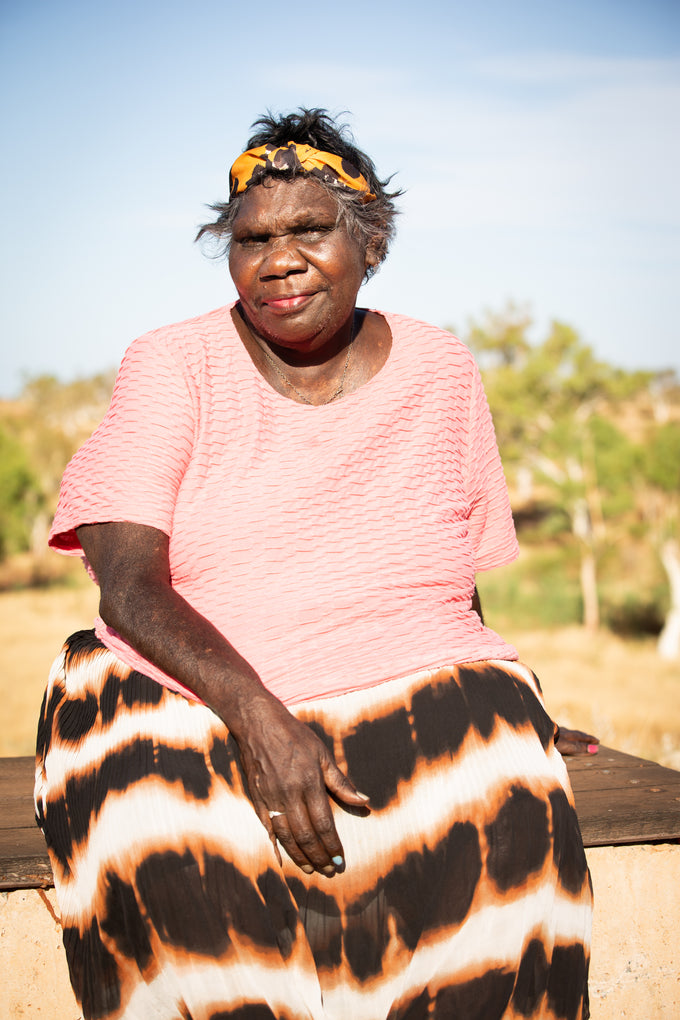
x=294, y=200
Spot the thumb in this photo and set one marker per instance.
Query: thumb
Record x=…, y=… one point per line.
x=340, y=786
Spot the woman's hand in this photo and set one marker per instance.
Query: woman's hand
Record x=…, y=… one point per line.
x=576, y=742
x=290, y=774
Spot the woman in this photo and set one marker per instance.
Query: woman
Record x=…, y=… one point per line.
x=291, y=774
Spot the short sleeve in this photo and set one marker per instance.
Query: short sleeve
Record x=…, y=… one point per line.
x=491, y=527
x=132, y=466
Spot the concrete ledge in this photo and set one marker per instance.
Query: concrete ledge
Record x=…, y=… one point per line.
x=635, y=969
x=636, y=950
x=35, y=984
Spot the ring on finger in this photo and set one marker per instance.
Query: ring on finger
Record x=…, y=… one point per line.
x=276, y=814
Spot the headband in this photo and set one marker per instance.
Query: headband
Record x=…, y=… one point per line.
x=252, y=166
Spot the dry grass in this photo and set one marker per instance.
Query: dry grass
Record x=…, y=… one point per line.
x=619, y=690
x=33, y=625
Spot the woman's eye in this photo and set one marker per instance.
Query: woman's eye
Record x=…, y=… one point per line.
x=311, y=233
x=314, y=231
x=251, y=242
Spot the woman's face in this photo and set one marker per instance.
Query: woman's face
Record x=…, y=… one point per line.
x=297, y=271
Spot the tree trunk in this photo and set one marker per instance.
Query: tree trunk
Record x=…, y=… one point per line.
x=583, y=530
x=39, y=533
x=668, y=645
x=591, y=602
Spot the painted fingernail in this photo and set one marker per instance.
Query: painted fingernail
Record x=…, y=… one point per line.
x=308, y=869
x=593, y=748
x=338, y=861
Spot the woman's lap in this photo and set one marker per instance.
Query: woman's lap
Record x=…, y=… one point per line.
x=465, y=893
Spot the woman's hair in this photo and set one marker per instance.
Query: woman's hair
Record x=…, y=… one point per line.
x=372, y=223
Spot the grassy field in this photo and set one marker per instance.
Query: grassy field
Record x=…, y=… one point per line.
x=619, y=690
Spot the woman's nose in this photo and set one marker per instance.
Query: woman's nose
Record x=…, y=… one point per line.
x=283, y=256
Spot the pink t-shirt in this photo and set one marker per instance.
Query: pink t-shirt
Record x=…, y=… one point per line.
x=335, y=546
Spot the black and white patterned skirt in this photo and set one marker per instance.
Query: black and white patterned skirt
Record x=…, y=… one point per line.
x=466, y=892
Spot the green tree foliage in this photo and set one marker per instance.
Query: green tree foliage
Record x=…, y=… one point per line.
x=663, y=458
x=501, y=340
x=578, y=437
x=44, y=428
x=661, y=467
x=18, y=489
x=55, y=418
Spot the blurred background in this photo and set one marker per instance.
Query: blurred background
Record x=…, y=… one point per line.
x=538, y=151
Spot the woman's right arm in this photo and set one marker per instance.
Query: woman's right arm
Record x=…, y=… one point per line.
x=288, y=769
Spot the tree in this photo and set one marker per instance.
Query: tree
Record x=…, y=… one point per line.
x=549, y=402
x=18, y=488
x=48, y=422
x=662, y=469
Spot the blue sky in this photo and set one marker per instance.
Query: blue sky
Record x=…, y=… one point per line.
x=537, y=142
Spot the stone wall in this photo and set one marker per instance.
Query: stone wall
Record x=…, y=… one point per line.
x=635, y=969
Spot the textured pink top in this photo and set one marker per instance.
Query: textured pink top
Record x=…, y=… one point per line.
x=335, y=546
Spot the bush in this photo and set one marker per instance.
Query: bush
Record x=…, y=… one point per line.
x=541, y=589
x=634, y=617
x=18, y=490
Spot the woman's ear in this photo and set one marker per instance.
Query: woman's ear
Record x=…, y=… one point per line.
x=371, y=259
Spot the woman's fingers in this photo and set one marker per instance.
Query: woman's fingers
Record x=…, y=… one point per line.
x=310, y=841
x=266, y=818
x=289, y=781
x=290, y=773
x=309, y=819
x=307, y=829
x=340, y=786
x=576, y=742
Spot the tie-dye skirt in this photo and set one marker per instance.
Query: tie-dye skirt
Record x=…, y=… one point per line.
x=466, y=892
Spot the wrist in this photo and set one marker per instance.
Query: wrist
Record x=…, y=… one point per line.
x=244, y=705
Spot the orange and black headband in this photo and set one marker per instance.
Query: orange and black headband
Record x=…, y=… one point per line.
x=252, y=166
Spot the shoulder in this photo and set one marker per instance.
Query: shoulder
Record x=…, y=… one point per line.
x=191, y=349
x=424, y=334
x=433, y=357
x=199, y=332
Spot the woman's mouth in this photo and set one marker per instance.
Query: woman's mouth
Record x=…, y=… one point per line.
x=289, y=303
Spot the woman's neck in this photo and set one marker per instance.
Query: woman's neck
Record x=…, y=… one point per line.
x=320, y=377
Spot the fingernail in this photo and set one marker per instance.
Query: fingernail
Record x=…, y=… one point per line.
x=338, y=861
x=328, y=871
x=308, y=869
x=593, y=748
x=362, y=795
